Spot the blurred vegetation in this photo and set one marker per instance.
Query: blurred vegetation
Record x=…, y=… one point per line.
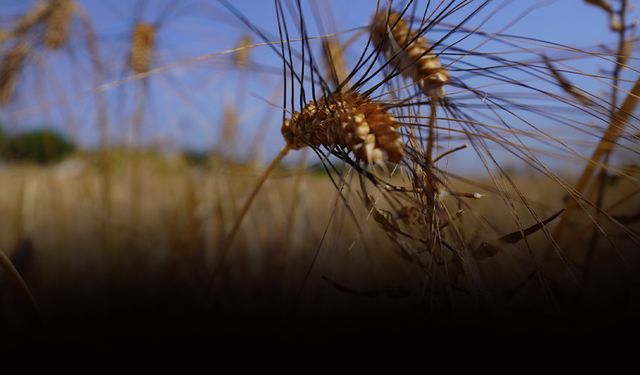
x=41, y=146
x=197, y=158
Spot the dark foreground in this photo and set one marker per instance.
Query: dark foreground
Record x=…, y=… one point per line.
x=134, y=314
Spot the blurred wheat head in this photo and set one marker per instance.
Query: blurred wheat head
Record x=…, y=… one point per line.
x=142, y=45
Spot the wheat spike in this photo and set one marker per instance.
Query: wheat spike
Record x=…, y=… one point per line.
x=142, y=45
x=333, y=54
x=57, y=24
x=350, y=120
x=408, y=53
x=241, y=56
x=10, y=68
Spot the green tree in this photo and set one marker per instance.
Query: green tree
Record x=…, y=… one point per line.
x=41, y=146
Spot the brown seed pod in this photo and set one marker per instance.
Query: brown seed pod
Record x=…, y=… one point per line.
x=57, y=24
x=350, y=120
x=10, y=68
x=142, y=45
x=408, y=53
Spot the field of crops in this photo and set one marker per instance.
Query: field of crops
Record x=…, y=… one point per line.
x=294, y=175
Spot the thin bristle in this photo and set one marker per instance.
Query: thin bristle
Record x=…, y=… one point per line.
x=142, y=45
x=10, y=68
x=566, y=85
x=408, y=53
x=58, y=22
x=349, y=120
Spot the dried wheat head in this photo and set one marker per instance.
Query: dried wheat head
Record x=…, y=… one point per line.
x=409, y=53
x=241, y=57
x=349, y=120
x=142, y=45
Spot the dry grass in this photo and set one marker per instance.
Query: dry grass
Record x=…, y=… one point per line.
x=183, y=216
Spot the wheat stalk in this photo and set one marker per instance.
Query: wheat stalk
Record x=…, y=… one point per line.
x=21, y=285
x=349, y=120
x=10, y=68
x=34, y=16
x=229, y=126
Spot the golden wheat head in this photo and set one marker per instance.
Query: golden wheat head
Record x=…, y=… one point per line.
x=241, y=57
x=142, y=45
x=349, y=120
x=409, y=53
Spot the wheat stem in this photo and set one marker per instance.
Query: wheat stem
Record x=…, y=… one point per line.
x=14, y=275
x=606, y=144
x=245, y=208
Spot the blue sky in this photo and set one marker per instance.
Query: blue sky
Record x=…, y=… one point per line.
x=184, y=104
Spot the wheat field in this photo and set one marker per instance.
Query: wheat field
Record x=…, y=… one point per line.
x=199, y=175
